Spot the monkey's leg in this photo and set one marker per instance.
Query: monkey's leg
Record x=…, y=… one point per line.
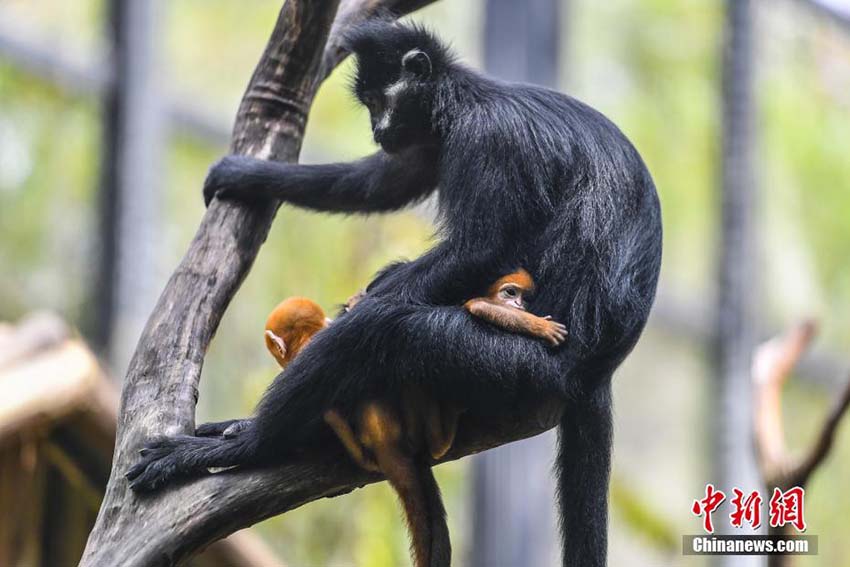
x=349, y=440
x=440, y=427
x=338, y=368
x=184, y=456
x=414, y=483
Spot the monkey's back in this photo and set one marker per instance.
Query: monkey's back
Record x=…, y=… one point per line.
x=576, y=200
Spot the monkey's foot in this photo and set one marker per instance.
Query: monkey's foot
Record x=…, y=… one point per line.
x=226, y=429
x=168, y=458
x=237, y=427
x=160, y=463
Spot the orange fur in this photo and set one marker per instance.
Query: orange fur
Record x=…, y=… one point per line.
x=295, y=320
x=520, y=277
x=378, y=440
x=509, y=313
x=380, y=432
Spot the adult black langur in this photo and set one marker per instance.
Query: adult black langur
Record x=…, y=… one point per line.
x=527, y=177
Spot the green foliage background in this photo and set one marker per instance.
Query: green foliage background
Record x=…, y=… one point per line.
x=651, y=65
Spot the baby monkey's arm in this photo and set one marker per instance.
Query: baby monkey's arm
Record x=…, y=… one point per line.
x=503, y=307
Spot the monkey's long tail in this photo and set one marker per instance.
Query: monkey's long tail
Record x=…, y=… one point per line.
x=583, y=469
x=414, y=482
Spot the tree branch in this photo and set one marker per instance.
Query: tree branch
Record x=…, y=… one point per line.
x=353, y=12
x=773, y=363
x=161, y=387
x=823, y=444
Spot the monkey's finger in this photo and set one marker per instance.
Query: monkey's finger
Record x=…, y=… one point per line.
x=557, y=338
x=219, y=176
x=547, y=317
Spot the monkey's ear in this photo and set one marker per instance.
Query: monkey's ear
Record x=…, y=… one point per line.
x=417, y=62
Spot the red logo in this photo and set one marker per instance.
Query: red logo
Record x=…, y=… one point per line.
x=707, y=506
x=787, y=508
x=746, y=509
x=784, y=508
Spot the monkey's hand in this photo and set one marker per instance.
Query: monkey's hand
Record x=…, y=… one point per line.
x=227, y=429
x=233, y=177
x=551, y=331
x=353, y=300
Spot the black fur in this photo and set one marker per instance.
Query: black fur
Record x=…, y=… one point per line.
x=527, y=178
x=440, y=552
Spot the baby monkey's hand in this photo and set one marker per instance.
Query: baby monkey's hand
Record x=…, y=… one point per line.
x=551, y=331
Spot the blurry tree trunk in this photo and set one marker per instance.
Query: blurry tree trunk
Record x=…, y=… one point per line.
x=131, y=166
x=514, y=490
x=737, y=293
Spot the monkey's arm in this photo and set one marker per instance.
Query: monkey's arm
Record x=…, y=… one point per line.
x=380, y=182
x=517, y=321
x=444, y=275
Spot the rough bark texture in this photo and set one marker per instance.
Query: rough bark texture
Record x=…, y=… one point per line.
x=161, y=386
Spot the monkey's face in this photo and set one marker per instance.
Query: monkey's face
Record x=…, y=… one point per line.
x=397, y=95
x=510, y=295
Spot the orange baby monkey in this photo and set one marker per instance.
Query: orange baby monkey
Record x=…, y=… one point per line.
x=382, y=433
x=503, y=307
x=389, y=437
x=291, y=325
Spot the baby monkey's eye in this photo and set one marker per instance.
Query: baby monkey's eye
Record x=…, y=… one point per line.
x=511, y=291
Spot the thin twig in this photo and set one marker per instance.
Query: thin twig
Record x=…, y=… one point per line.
x=773, y=363
x=801, y=473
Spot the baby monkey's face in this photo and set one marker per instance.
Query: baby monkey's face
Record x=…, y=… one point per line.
x=510, y=294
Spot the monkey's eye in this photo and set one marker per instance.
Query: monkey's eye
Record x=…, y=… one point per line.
x=372, y=102
x=511, y=291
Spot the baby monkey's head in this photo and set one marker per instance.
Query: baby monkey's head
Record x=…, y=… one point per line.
x=510, y=289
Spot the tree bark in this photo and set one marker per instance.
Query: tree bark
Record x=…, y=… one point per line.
x=161, y=386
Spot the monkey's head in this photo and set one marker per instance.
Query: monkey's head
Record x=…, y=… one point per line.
x=399, y=67
x=291, y=325
x=510, y=289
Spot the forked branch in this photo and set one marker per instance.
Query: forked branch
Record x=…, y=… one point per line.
x=773, y=363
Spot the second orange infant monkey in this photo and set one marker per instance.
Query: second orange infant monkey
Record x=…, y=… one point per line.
x=389, y=437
